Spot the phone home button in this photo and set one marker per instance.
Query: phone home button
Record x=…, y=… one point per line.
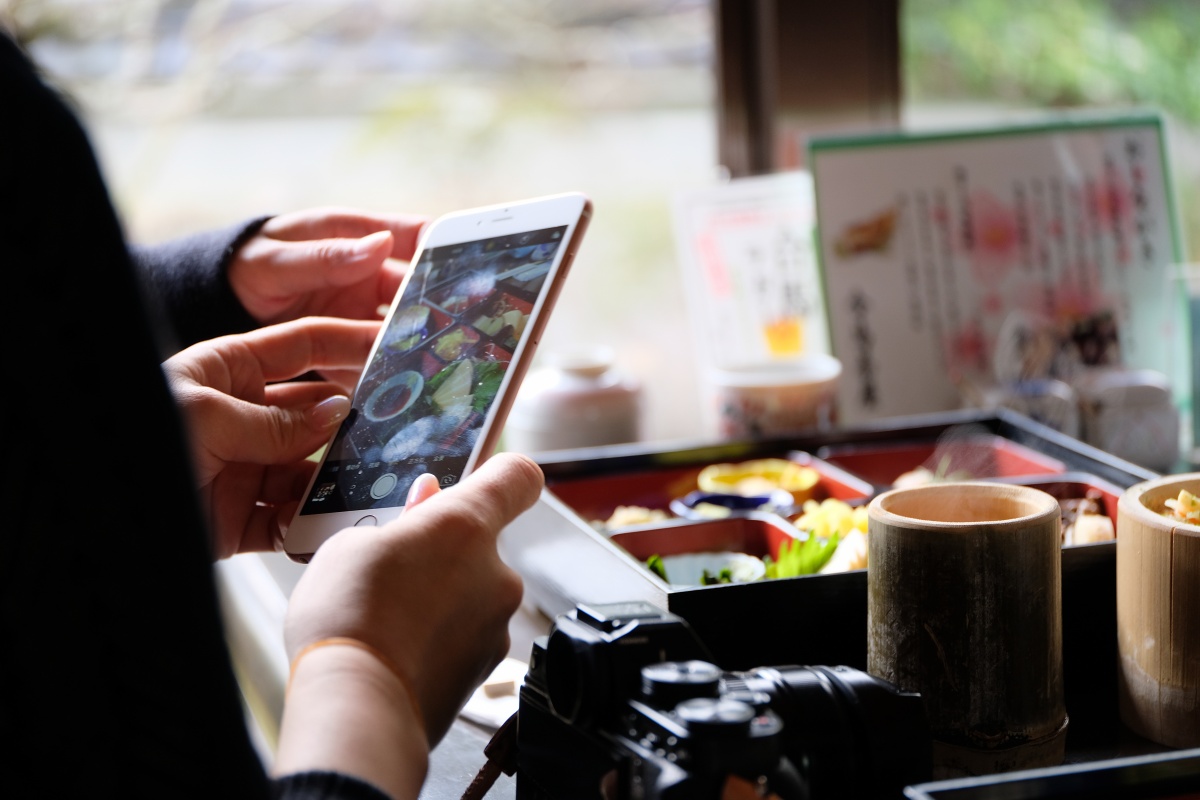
x=369, y=519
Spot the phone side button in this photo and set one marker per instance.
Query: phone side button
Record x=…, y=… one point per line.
x=369, y=519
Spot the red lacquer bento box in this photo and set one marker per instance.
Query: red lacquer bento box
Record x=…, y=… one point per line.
x=568, y=553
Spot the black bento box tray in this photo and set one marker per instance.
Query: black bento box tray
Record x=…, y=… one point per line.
x=815, y=619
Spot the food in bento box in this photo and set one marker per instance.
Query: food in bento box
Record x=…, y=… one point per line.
x=836, y=520
x=467, y=385
x=455, y=387
x=469, y=291
x=624, y=516
x=502, y=318
x=453, y=344
x=831, y=516
x=923, y=476
x=1084, y=521
x=408, y=329
x=707, y=569
x=1185, y=508
x=805, y=557
x=409, y=439
x=760, y=476
x=718, y=505
x=393, y=397
x=851, y=554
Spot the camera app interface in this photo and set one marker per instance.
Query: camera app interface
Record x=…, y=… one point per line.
x=436, y=373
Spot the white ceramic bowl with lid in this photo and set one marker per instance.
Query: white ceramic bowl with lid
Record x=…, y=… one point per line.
x=578, y=399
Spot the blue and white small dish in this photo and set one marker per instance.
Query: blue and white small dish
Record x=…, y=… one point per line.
x=715, y=505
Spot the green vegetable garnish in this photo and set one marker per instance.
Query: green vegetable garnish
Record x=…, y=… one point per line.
x=488, y=375
x=655, y=564
x=708, y=579
x=802, y=558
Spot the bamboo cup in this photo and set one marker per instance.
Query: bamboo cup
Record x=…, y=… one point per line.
x=964, y=606
x=1158, y=614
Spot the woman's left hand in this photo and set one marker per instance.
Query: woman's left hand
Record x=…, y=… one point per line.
x=329, y=262
x=252, y=431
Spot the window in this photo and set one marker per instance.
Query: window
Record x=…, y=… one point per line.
x=205, y=113
x=984, y=61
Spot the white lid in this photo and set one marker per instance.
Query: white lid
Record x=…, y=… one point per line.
x=815, y=368
x=585, y=362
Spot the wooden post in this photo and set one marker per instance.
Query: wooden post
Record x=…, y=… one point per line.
x=1158, y=614
x=964, y=606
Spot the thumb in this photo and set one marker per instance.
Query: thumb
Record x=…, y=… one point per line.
x=266, y=434
x=423, y=488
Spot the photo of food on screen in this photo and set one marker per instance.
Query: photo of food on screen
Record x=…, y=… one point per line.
x=440, y=363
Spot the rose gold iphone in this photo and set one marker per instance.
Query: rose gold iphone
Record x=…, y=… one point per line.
x=449, y=358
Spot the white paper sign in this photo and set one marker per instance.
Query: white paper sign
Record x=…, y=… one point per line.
x=939, y=253
x=749, y=267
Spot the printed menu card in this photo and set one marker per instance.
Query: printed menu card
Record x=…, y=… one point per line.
x=954, y=261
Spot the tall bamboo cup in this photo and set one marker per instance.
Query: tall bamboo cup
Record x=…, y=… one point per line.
x=1158, y=614
x=964, y=606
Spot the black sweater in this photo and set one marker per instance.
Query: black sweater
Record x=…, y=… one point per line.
x=115, y=678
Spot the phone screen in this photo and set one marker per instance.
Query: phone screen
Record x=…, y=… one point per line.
x=437, y=369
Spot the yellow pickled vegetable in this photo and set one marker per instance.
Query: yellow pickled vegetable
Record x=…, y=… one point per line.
x=831, y=516
x=1185, y=508
x=759, y=477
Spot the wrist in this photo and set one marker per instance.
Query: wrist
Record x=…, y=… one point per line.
x=348, y=711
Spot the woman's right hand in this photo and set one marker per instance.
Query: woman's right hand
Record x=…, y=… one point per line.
x=428, y=591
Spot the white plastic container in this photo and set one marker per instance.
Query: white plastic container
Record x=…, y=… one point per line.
x=579, y=399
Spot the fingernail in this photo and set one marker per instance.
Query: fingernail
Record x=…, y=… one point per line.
x=420, y=488
x=328, y=413
x=368, y=245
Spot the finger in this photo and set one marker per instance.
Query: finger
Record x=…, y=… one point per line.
x=423, y=488
x=243, y=432
x=265, y=528
x=345, y=379
x=333, y=222
x=260, y=526
x=310, y=265
x=314, y=343
x=390, y=278
x=285, y=483
x=490, y=498
x=242, y=520
x=510, y=480
x=299, y=394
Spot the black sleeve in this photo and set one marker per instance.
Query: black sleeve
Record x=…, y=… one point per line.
x=188, y=278
x=115, y=677
x=323, y=786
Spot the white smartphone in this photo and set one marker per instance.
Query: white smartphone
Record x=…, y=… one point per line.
x=448, y=360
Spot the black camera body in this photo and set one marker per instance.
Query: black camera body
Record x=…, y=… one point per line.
x=624, y=701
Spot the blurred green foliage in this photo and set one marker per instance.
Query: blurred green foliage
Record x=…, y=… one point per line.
x=1057, y=53
x=1065, y=54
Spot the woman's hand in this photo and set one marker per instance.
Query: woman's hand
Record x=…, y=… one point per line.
x=250, y=433
x=331, y=262
x=427, y=592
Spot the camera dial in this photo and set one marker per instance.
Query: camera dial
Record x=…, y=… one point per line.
x=669, y=683
x=711, y=716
